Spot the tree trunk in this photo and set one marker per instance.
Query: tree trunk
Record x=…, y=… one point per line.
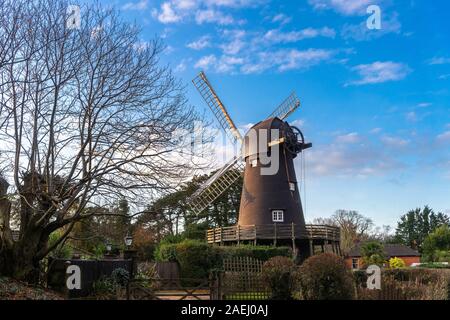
x=21, y=261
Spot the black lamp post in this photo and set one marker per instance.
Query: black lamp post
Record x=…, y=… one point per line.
x=128, y=241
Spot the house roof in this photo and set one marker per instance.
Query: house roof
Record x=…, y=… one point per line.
x=391, y=250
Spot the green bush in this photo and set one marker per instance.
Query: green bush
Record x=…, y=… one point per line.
x=373, y=253
x=279, y=273
x=64, y=251
x=396, y=263
x=262, y=253
x=120, y=277
x=436, y=246
x=325, y=277
x=197, y=258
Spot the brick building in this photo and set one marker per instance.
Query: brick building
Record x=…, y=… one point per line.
x=408, y=255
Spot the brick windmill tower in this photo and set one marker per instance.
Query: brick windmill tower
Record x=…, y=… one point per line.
x=270, y=210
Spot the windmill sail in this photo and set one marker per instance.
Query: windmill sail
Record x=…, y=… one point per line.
x=287, y=107
x=215, y=186
x=217, y=107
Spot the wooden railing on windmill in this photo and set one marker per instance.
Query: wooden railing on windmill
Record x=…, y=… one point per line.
x=229, y=174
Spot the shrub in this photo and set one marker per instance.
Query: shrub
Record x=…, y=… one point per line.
x=104, y=288
x=325, y=277
x=64, y=251
x=436, y=246
x=396, y=263
x=197, y=258
x=372, y=253
x=120, y=277
x=279, y=273
x=262, y=253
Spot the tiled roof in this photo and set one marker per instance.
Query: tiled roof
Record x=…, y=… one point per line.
x=391, y=250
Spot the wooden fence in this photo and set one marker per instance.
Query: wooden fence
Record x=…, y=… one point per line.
x=242, y=279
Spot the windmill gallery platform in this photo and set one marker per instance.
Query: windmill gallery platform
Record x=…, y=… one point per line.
x=323, y=236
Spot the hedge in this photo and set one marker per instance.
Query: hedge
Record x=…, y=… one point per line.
x=197, y=258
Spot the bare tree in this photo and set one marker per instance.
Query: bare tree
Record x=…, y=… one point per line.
x=87, y=115
x=354, y=227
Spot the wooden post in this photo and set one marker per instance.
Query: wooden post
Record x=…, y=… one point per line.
x=294, y=253
x=274, y=234
x=254, y=226
x=221, y=236
x=214, y=235
x=311, y=247
x=238, y=230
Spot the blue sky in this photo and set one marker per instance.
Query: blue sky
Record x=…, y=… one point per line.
x=375, y=103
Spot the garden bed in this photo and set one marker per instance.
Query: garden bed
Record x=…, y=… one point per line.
x=11, y=289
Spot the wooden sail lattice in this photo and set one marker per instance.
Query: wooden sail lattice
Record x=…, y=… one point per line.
x=217, y=107
x=217, y=185
x=286, y=107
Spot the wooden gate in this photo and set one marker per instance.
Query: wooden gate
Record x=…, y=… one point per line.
x=169, y=289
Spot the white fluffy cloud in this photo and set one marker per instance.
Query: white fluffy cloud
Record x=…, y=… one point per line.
x=281, y=18
x=278, y=36
x=201, y=43
x=379, y=72
x=213, y=16
x=202, y=11
x=345, y=7
x=287, y=59
x=439, y=61
x=360, y=32
x=395, y=142
x=140, y=5
x=444, y=137
x=167, y=14
x=353, y=137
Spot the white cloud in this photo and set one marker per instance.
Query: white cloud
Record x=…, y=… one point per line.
x=223, y=64
x=360, y=32
x=213, y=16
x=345, y=7
x=350, y=160
x=277, y=36
x=141, y=5
x=181, y=66
x=202, y=11
x=298, y=123
x=233, y=3
x=281, y=18
x=286, y=59
x=379, y=72
x=424, y=105
x=376, y=130
x=444, y=77
x=206, y=62
x=167, y=14
x=411, y=116
x=439, y=61
x=444, y=137
x=394, y=142
x=201, y=43
x=185, y=4
x=353, y=137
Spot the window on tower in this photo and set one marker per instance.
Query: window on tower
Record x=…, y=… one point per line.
x=292, y=186
x=277, y=215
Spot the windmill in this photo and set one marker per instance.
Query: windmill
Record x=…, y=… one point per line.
x=270, y=207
